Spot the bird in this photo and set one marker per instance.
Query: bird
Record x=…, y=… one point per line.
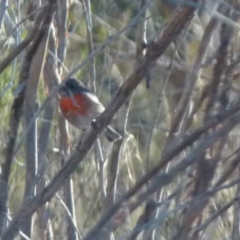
x=80, y=107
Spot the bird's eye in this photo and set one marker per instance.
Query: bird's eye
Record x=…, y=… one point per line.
x=70, y=85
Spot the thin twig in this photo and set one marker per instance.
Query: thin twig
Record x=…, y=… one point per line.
x=155, y=50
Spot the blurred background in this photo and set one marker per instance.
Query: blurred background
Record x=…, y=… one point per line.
x=193, y=85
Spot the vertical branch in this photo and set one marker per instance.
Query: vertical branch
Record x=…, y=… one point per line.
x=219, y=68
x=206, y=167
x=236, y=213
x=192, y=79
x=3, y=8
x=72, y=232
x=155, y=50
x=49, y=69
x=204, y=176
x=91, y=65
x=21, y=46
x=36, y=65
x=122, y=116
x=61, y=31
x=99, y=158
x=16, y=114
x=218, y=72
x=145, y=218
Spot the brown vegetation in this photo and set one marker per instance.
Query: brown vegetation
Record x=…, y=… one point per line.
x=167, y=72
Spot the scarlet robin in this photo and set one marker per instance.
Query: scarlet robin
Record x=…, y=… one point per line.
x=80, y=107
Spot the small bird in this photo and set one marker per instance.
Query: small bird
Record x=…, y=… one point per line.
x=80, y=107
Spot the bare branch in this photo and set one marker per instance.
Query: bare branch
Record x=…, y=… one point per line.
x=16, y=51
x=172, y=29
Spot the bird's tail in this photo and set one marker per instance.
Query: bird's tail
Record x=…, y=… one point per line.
x=111, y=134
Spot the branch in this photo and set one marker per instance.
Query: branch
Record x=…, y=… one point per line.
x=155, y=50
x=16, y=114
x=21, y=46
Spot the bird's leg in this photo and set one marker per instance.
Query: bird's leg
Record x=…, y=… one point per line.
x=94, y=123
x=83, y=133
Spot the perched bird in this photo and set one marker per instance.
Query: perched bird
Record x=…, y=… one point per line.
x=80, y=107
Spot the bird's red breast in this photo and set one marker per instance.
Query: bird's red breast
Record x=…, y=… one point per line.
x=74, y=105
x=80, y=107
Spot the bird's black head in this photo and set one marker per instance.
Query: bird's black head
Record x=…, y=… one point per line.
x=72, y=86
